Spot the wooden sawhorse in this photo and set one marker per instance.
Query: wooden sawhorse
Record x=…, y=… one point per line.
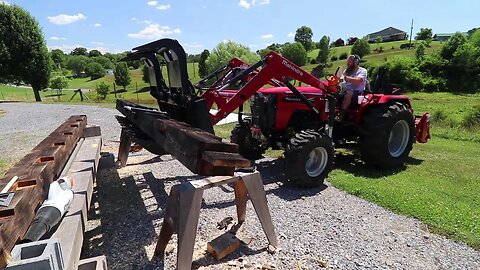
x=183, y=210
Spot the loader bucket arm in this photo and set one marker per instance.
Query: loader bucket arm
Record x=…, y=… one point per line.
x=275, y=68
x=176, y=95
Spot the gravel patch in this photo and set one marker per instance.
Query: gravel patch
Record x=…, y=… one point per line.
x=321, y=223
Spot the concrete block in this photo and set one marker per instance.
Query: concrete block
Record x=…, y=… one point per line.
x=38, y=255
x=95, y=263
x=223, y=245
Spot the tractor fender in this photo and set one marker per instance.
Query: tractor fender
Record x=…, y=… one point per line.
x=373, y=100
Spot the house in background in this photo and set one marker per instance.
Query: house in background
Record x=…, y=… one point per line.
x=387, y=34
x=444, y=36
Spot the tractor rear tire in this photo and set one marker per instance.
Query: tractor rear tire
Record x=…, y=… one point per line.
x=386, y=135
x=248, y=147
x=309, y=158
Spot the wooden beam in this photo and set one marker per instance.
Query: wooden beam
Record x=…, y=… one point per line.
x=40, y=167
x=201, y=152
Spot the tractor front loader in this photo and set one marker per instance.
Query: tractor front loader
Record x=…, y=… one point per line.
x=299, y=120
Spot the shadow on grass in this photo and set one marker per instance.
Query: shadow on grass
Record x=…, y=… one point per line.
x=143, y=90
x=351, y=163
x=119, y=91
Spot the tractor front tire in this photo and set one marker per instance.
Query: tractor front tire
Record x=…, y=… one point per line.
x=248, y=147
x=386, y=135
x=309, y=158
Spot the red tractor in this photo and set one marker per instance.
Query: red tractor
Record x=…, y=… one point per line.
x=299, y=120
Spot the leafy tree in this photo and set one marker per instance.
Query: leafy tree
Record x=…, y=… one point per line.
x=225, y=51
x=339, y=42
x=113, y=57
x=77, y=64
x=451, y=45
x=134, y=64
x=420, y=52
x=361, y=47
x=104, y=61
x=79, y=51
x=304, y=36
x=202, y=66
x=58, y=57
x=378, y=40
x=424, y=34
x=145, y=74
x=23, y=53
x=473, y=30
x=475, y=38
x=59, y=83
x=94, y=53
x=95, y=70
x=263, y=52
x=275, y=47
x=323, y=52
x=102, y=90
x=296, y=53
x=122, y=75
x=351, y=40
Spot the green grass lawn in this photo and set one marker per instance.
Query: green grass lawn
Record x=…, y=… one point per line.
x=438, y=186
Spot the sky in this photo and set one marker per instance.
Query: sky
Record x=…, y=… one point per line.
x=118, y=26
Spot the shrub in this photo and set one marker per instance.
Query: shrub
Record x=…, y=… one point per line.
x=439, y=116
x=407, y=46
x=343, y=56
x=334, y=58
x=472, y=120
x=102, y=90
x=313, y=61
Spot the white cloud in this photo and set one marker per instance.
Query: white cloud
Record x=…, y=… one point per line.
x=244, y=4
x=97, y=25
x=163, y=7
x=152, y=3
x=57, y=38
x=290, y=34
x=260, y=2
x=153, y=31
x=267, y=36
x=134, y=19
x=147, y=21
x=66, y=19
x=5, y=2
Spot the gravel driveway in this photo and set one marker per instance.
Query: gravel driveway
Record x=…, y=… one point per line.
x=322, y=223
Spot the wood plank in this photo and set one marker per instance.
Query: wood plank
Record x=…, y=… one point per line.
x=42, y=166
x=222, y=159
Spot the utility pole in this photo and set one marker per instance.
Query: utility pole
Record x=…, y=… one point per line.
x=411, y=31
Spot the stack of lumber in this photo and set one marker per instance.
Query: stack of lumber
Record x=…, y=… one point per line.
x=35, y=172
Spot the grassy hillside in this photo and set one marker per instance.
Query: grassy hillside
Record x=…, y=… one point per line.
x=390, y=49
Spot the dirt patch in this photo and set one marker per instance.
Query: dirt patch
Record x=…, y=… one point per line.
x=2, y=113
